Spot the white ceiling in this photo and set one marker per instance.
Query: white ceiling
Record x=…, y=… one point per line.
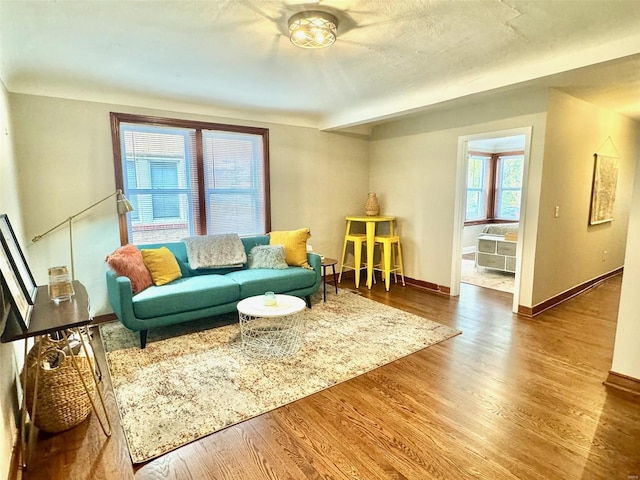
x=391, y=57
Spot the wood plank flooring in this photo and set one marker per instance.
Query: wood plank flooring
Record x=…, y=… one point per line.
x=510, y=398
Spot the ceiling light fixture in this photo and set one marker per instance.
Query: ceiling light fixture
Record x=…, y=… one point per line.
x=313, y=29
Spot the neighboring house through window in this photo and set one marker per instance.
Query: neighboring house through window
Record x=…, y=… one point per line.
x=190, y=178
x=494, y=187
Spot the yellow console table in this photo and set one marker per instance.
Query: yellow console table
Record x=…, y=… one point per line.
x=371, y=223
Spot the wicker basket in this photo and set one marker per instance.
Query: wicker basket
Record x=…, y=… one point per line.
x=62, y=400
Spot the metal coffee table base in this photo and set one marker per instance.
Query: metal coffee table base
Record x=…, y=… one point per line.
x=270, y=337
x=271, y=330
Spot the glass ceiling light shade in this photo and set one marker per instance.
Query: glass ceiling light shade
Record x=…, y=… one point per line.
x=313, y=29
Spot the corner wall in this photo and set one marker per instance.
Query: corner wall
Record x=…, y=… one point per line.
x=11, y=356
x=414, y=173
x=65, y=155
x=569, y=251
x=626, y=353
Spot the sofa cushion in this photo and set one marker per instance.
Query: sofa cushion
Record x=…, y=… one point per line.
x=295, y=245
x=179, y=251
x=127, y=261
x=267, y=256
x=250, y=242
x=162, y=264
x=259, y=280
x=185, y=294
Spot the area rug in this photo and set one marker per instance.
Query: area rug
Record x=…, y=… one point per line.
x=485, y=277
x=193, y=380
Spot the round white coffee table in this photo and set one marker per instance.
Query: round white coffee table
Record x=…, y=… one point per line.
x=271, y=330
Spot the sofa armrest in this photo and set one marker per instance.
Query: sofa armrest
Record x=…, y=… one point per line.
x=120, y=297
x=316, y=263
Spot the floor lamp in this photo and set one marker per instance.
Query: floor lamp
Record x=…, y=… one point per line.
x=124, y=206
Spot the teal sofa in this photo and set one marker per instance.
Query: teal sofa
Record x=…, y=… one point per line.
x=204, y=293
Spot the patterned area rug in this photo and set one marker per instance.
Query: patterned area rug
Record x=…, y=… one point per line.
x=192, y=380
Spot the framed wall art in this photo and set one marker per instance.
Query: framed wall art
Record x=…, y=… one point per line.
x=18, y=260
x=603, y=189
x=5, y=307
x=12, y=292
x=18, y=284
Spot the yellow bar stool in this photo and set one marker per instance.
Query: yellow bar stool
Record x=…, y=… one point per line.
x=390, y=258
x=358, y=240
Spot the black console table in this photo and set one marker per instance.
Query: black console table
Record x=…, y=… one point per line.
x=49, y=317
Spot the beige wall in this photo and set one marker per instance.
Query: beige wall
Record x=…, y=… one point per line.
x=569, y=251
x=469, y=237
x=11, y=356
x=66, y=163
x=626, y=354
x=414, y=173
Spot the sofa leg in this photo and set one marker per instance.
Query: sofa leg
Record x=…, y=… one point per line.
x=143, y=338
x=308, y=299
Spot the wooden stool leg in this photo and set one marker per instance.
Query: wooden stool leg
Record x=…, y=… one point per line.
x=324, y=283
x=335, y=280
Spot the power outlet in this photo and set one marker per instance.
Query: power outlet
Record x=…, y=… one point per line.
x=604, y=255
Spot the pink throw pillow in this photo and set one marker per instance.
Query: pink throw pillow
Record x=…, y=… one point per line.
x=127, y=261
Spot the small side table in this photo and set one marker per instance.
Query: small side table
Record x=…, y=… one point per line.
x=48, y=317
x=328, y=262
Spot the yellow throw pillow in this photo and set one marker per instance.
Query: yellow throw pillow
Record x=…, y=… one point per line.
x=295, y=245
x=162, y=264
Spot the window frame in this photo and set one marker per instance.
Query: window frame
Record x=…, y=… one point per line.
x=492, y=187
x=199, y=223
x=488, y=200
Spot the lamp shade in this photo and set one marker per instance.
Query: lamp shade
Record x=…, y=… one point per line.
x=313, y=29
x=123, y=205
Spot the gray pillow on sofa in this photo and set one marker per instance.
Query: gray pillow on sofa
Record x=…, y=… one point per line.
x=267, y=256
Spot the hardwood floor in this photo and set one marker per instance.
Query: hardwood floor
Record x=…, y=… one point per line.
x=510, y=398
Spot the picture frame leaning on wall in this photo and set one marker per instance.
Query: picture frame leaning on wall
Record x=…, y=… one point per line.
x=17, y=281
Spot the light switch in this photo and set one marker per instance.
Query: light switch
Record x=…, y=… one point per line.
x=556, y=212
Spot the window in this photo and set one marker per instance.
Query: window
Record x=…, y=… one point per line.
x=494, y=186
x=190, y=178
x=477, y=181
x=508, y=187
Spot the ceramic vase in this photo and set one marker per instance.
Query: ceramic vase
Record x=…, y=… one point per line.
x=371, y=206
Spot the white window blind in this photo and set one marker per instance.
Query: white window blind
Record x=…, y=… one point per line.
x=234, y=182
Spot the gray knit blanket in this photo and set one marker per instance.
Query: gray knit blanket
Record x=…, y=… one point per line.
x=215, y=251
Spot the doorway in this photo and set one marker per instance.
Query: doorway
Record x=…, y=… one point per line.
x=489, y=224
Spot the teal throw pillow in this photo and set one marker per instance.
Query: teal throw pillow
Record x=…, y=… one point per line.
x=267, y=256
